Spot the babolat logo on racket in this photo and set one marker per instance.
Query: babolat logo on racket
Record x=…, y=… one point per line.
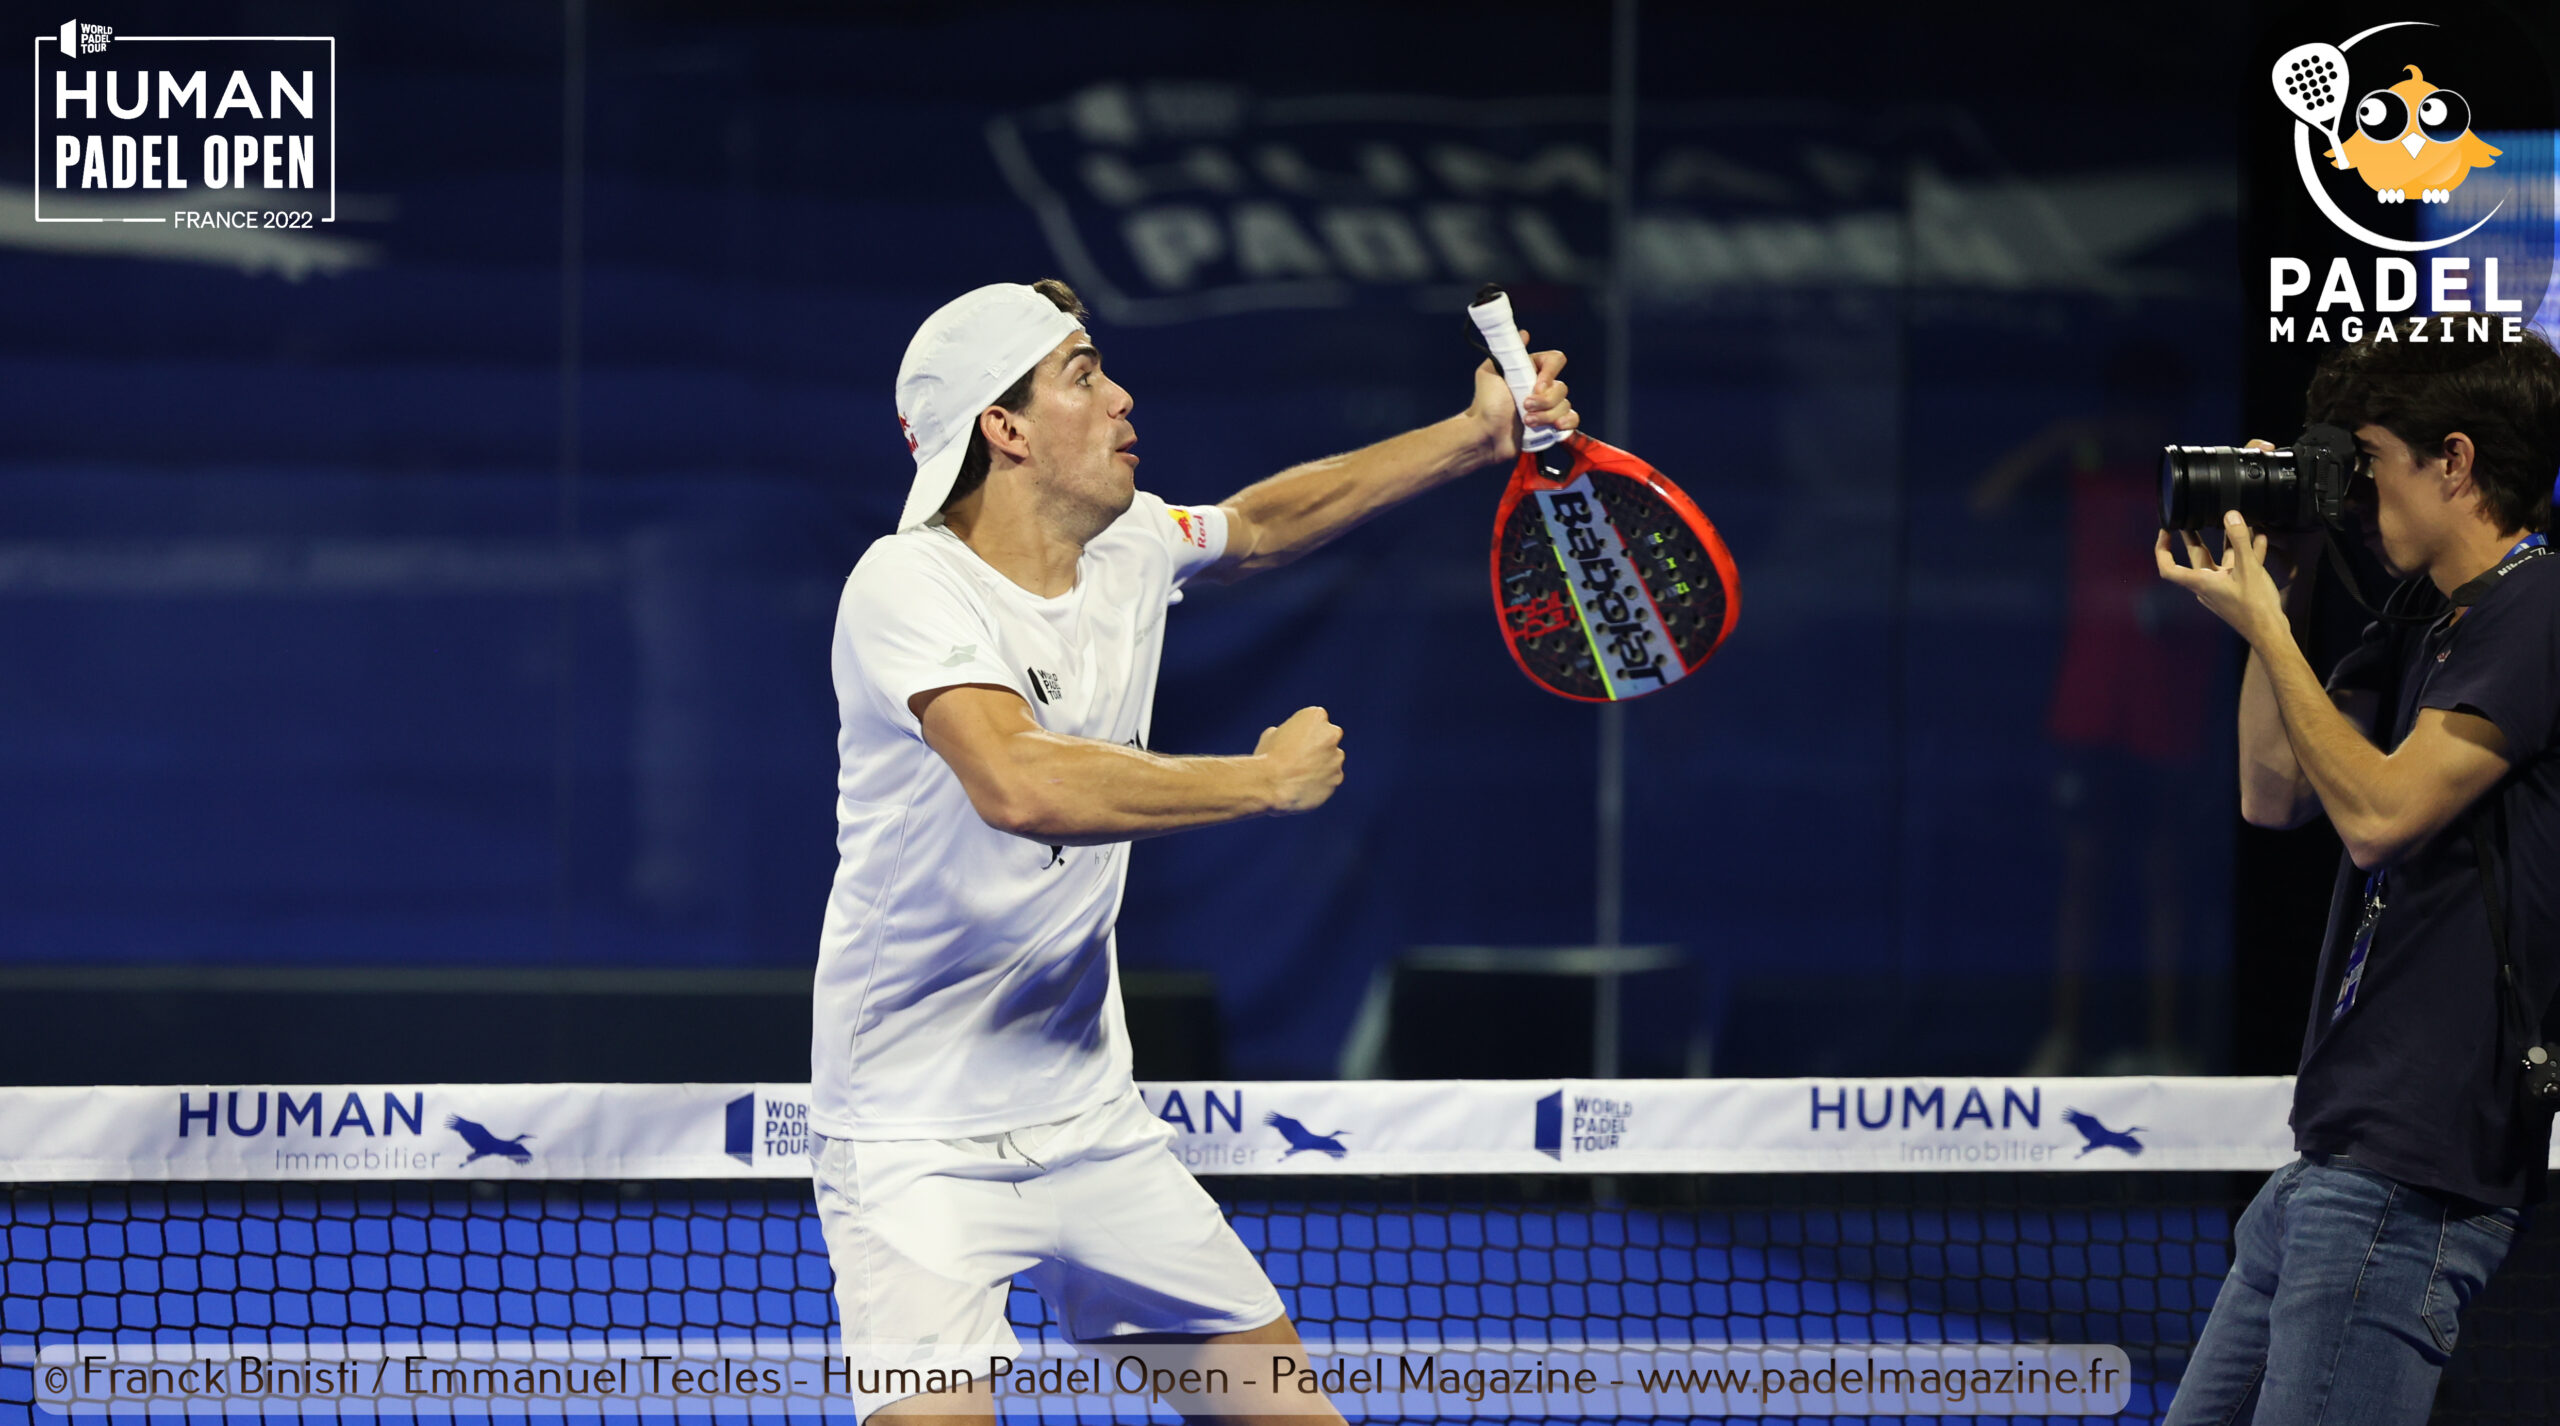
x=1608, y=595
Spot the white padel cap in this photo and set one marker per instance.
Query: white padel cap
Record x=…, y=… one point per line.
x=962, y=359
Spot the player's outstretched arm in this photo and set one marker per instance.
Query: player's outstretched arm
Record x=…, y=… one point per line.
x=1274, y=521
x=1048, y=787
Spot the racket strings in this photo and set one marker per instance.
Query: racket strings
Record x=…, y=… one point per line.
x=1546, y=624
x=1674, y=564
x=1539, y=613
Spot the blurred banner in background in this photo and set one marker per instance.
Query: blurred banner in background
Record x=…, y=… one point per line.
x=448, y=585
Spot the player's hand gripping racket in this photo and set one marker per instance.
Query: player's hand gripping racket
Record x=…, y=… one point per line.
x=1607, y=580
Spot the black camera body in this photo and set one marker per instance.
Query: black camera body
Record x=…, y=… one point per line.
x=2300, y=488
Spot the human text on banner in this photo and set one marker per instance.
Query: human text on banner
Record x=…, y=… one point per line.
x=250, y=1133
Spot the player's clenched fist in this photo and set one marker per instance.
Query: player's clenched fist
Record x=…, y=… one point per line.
x=1305, y=759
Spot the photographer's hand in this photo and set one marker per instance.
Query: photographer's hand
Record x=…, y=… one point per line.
x=2237, y=587
x=2383, y=805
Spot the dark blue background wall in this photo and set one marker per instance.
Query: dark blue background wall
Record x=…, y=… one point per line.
x=451, y=586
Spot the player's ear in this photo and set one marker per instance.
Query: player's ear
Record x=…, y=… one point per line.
x=2461, y=459
x=1003, y=430
x=2459, y=454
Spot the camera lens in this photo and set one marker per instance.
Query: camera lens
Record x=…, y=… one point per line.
x=2198, y=483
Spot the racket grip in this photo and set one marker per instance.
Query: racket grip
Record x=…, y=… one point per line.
x=1492, y=313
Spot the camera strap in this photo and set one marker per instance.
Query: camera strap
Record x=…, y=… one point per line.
x=2451, y=611
x=2347, y=580
x=2488, y=825
x=2538, y=1045
x=2530, y=547
x=2488, y=844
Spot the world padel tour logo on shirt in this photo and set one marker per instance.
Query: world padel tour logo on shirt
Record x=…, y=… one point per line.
x=2376, y=131
x=190, y=131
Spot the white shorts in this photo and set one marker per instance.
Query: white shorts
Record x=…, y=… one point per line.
x=1095, y=1212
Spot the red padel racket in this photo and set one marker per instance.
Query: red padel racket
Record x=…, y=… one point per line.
x=1608, y=582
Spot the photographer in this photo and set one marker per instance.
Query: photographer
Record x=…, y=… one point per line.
x=2435, y=741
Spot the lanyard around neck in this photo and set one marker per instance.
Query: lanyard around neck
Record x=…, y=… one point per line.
x=2531, y=547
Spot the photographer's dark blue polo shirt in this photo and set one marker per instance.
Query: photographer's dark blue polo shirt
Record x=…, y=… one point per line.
x=2417, y=1079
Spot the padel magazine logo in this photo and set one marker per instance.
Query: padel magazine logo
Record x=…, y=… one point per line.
x=2409, y=141
x=2385, y=143
x=190, y=131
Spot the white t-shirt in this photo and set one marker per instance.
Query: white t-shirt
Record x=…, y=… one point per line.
x=966, y=977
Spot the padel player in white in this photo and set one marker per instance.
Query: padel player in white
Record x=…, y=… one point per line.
x=995, y=671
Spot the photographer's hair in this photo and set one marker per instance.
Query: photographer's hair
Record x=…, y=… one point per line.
x=2504, y=395
x=976, y=460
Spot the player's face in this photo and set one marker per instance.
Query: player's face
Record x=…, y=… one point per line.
x=2408, y=501
x=1080, y=431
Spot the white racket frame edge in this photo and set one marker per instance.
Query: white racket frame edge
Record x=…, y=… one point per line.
x=1502, y=338
x=2326, y=120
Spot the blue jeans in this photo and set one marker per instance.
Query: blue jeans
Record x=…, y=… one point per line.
x=2345, y=1295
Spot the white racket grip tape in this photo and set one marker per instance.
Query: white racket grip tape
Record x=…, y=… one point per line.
x=1502, y=338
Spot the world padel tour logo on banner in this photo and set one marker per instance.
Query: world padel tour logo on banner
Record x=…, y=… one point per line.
x=2386, y=141
x=760, y=1126
x=1589, y=1123
x=192, y=131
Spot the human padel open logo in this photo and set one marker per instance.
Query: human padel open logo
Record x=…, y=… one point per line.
x=194, y=131
x=2409, y=141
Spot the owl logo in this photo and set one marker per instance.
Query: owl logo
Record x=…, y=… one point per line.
x=2413, y=139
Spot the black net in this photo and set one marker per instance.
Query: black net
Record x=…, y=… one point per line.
x=2126, y=1259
